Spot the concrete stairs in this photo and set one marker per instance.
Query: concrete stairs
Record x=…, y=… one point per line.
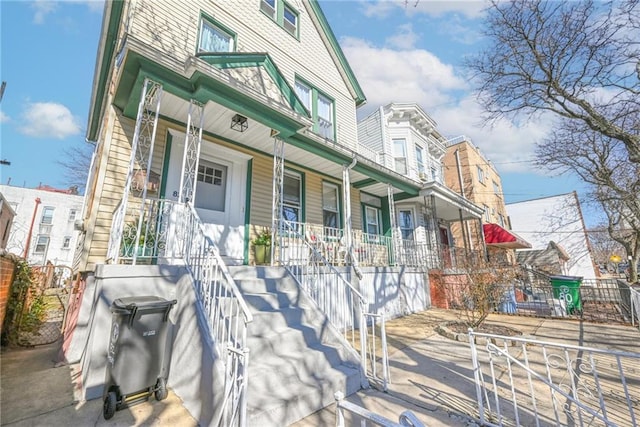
x=297, y=361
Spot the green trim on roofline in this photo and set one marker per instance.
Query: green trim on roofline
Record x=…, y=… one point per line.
x=360, y=98
x=364, y=183
x=96, y=112
x=200, y=87
x=241, y=59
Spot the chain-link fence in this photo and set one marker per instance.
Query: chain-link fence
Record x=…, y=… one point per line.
x=52, y=286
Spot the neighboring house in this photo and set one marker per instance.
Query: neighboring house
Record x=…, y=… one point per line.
x=6, y=221
x=403, y=138
x=215, y=122
x=468, y=172
x=43, y=224
x=551, y=260
x=557, y=219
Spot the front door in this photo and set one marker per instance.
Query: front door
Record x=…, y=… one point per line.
x=220, y=193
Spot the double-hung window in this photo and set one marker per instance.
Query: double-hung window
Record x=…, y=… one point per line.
x=320, y=106
x=496, y=188
x=372, y=220
x=66, y=242
x=400, y=156
x=292, y=197
x=47, y=215
x=41, y=244
x=406, y=224
x=480, y=175
x=420, y=162
x=214, y=37
x=283, y=14
x=330, y=205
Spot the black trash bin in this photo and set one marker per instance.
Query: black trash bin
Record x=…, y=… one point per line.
x=138, y=356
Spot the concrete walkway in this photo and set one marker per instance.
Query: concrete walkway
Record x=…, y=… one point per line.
x=430, y=375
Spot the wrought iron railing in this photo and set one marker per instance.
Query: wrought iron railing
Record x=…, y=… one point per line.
x=598, y=300
x=346, y=309
x=522, y=381
x=169, y=232
x=348, y=414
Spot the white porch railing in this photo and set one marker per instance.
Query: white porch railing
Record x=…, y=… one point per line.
x=347, y=414
x=169, y=232
x=344, y=306
x=527, y=382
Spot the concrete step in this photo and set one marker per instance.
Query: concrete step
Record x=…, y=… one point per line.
x=261, y=272
x=293, y=398
x=297, y=361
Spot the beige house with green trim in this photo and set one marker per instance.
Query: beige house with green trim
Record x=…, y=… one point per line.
x=215, y=123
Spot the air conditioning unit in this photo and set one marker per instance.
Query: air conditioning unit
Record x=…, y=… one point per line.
x=422, y=176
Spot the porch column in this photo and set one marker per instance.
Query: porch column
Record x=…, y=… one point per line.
x=191, y=155
x=278, y=183
x=348, y=230
x=482, y=241
x=139, y=166
x=465, y=238
x=392, y=220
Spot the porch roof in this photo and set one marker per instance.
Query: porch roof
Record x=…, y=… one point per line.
x=449, y=205
x=249, y=84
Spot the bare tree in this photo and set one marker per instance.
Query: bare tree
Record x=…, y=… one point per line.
x=603, y=245
x=601, y=163
x=578, y=60
x=75, y=163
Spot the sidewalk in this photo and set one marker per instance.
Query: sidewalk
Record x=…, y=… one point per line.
x=430, y=375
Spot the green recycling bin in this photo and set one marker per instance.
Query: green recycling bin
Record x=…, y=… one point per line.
x=567, y=289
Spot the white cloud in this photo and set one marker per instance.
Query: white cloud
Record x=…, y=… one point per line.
x=508, y=145
x=48, y=119
x=3, y=117
x=411, y=75
x=404, y=38
x=42, y=8
x=471, y=9
x=416, y=75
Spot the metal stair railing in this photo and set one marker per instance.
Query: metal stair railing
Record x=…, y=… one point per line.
x=225, y=308
x=344, y=306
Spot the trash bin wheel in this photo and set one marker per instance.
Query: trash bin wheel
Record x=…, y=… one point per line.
x=109, y=407
x=161, y=389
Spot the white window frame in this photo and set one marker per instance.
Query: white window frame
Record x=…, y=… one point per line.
x=376, y=212
x=290, y=204
x=46, y=218
x=400, y=158
x=487, y=213
x=38, y=247
x=323, y=126
x=73, y=213
x=481, y=176
x=496, y=188
x=269, y=9
x=403, y=229
x=66, y=242
x=326, y=208
x=420, y=162
x=290, y=27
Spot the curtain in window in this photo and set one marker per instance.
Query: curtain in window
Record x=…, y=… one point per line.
x=325, y=121
x=304, y=93
x=213, y=40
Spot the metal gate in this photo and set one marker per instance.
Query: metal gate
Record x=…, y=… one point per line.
x=53, y=284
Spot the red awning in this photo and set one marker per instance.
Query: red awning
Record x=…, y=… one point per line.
x=495, y=235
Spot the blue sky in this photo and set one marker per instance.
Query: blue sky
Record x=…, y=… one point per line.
x=399, y=52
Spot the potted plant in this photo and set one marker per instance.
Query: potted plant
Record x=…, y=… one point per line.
x=146, y=241
x=262, y=247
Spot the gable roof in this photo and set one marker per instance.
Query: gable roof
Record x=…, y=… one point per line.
x=113, y=15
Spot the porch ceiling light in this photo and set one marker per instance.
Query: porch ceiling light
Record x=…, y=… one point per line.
x=239, y=123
